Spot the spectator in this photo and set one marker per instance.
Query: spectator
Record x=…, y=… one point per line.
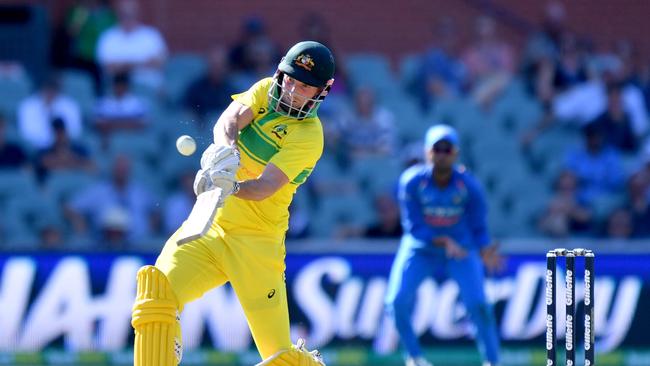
x=89, y=209
x=261, y=56
x=571, y=66
x=133, y=47
x=370, y=129
x=212, y=91
x=597, y=166
x=639, y=204
x=314, y=26
x=254, y=36
x=298, y=222
x=63, y=154
x=122, y=110
x=584, y=102
x=490, y=62
x=179, y=204
x=440, y=70
x=75, y=43
x=615, y=122
x=388, y=223
x=35, y=115
x=565, y=214
x=619, y=224
x=546, y=42
x=12, y=156
x=114, y=224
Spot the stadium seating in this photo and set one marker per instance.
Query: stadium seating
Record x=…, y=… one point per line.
x=180, y=71
x=12, y=91
x=79, y=86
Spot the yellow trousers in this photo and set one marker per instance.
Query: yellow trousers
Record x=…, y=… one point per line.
x=254, y=266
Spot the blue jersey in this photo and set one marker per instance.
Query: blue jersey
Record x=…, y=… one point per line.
x=429, y=211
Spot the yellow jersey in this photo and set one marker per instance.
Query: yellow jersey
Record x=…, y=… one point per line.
x=292, y=145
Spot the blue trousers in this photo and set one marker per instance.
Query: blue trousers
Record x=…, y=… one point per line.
x=412, y=266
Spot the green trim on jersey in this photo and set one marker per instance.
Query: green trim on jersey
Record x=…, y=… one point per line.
x=265, y=136
x=250, y=154
x=270, y=116
x=300, y=178
x=257, y=144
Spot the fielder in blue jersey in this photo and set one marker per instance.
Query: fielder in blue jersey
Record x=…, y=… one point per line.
x=444, y=219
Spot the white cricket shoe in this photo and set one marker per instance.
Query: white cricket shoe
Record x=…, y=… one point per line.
x=418, y=361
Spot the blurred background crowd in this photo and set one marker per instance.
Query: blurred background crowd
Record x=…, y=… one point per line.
x=555, y=128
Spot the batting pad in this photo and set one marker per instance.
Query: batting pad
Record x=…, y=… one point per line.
x=296, y=356
x=156, y=321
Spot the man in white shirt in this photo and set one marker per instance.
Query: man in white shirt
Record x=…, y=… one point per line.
x=36, y=112
x=121, y=110
x=132, y=47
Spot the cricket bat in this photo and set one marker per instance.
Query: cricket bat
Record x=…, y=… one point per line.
x=201, y=216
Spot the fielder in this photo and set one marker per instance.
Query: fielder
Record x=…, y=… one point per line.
x=444, y=219
x=266, y=144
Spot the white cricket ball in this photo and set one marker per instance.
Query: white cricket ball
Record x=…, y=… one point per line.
x=186, y=145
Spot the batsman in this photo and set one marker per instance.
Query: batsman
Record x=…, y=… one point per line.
x=266, y=144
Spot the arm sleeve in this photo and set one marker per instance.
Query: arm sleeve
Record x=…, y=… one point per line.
x=255, y=97
x=299, y=154
x=477, y=214
x=412, y=215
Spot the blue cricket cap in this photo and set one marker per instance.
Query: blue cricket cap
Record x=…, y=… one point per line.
x=439, y=133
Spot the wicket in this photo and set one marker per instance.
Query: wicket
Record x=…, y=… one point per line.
x=550, y=293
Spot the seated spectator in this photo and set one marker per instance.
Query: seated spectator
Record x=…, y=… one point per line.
x=121, y=110
x=615, y=122
x=388, y=224
x=565, y=214
x=12, y=156
x=133, y=47
x=254, y=35
x=179, y=204
x=619, y=225
x=114, y=225
x=439, y=65
x=87, y=211
x=75, y=42
x=639, y=204
x=298, y=222
x=63, y=154
x=261, y=56
x=35, y=115
x=370, y=129
x=583, y=102
x=490, y=62
x=571, y=66
x=598, y=167
x=212, y=91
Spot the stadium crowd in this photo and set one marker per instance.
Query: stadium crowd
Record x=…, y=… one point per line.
x=556, y=131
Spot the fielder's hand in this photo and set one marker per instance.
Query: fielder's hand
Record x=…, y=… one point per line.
x=492, y=260
x=452, y=249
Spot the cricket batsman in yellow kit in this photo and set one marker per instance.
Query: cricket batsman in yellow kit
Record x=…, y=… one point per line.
x=266, y=143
